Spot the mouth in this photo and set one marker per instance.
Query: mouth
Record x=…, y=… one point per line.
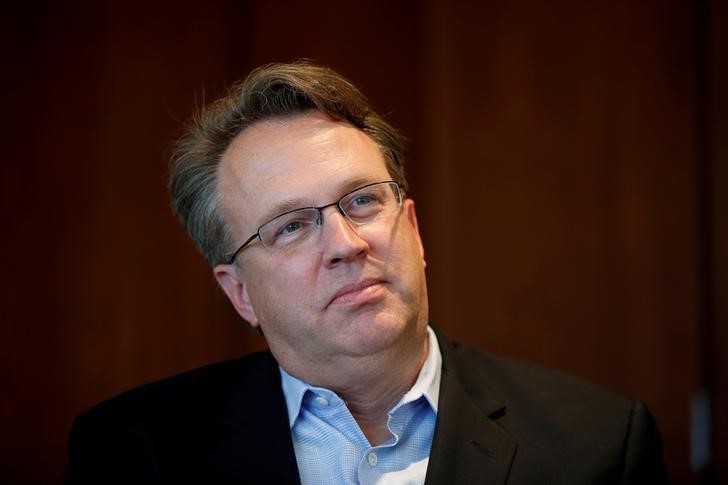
x=357, y=293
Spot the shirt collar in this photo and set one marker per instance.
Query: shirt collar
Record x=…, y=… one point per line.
x=427, y=383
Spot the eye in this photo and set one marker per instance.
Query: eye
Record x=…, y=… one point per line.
x=287, y=233
x=290, y=228
x=363, y=199
x=364, y=205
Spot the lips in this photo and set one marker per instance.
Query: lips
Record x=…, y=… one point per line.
x=355, y=292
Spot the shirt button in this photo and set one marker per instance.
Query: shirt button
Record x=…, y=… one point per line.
x=372, y=459
x=321, y=401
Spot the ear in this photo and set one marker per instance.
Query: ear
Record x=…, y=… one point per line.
x=229, y=278
x=409, y=206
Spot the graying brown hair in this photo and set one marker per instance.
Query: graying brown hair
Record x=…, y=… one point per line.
x=270, y=91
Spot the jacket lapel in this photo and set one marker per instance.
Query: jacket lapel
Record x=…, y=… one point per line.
x=468, y=446
x=255, y=441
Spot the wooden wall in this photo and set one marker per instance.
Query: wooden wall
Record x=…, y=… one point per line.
x=566, y=159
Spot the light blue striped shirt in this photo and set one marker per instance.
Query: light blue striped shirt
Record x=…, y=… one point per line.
x=331, y=448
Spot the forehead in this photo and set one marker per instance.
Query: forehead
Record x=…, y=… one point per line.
x=296, y=161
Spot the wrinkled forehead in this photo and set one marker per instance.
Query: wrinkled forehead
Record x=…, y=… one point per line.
x=291, y=162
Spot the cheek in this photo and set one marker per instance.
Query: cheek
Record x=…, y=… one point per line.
x=409, y=245
x=280, y=287
x=404, y=259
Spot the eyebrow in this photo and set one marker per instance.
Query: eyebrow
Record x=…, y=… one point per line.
x=288, y=205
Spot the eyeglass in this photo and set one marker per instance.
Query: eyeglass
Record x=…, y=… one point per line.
x=360, y=206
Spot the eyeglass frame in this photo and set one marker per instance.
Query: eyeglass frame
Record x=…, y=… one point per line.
x=400, y=198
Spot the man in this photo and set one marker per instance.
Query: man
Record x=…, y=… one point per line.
x=294, y=190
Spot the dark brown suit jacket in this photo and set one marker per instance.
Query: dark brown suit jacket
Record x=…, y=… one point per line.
x=499, y=421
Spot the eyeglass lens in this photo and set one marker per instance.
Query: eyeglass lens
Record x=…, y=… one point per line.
x=361, y=206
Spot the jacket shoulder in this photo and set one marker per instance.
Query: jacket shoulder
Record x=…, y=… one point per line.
x=204, y=387
x=557, y=418
x=526, y=384
x=166, y=431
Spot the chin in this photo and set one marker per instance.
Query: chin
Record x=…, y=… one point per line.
x=374, y=333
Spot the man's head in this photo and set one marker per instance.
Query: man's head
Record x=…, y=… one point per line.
x=333, y=284
x=269, y=92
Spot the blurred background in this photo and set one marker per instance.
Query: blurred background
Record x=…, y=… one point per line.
x=569, y=161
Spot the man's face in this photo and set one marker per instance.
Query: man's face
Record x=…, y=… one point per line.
x=353, y=290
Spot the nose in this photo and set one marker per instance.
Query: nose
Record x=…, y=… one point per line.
x=340, y=239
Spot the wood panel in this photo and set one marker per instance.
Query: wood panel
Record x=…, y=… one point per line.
x=714, y=188
x=561, y=210
x=104, y=291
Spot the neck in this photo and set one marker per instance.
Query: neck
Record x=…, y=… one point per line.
x=371, y=394
x=370, y=405
x=372, y=385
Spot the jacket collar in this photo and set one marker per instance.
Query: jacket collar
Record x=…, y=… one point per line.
x=469, y=446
